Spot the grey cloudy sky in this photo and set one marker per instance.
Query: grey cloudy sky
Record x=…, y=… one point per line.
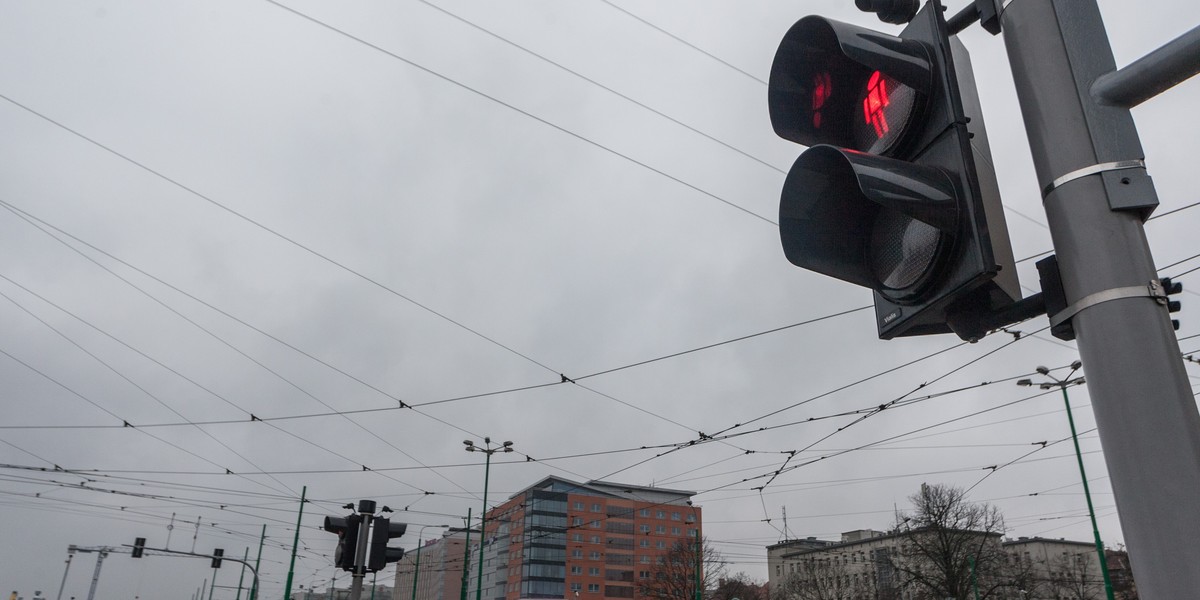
x=213, y=210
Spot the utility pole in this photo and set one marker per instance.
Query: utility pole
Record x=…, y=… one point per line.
x=261, y=540
x=466, y=558
x=242, y=576
x=70, y=554
x=295, y=543
x=366, y=508
x=1097, y=194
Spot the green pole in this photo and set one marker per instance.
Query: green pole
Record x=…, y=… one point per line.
x=263, y=538
x=241, y=577
x=974, y=583
x=417, y=569
x=287, y=592
x=466, y=558
x=1108, y=590
x=212, y=585
x=374, y=576
x=487, y=466
x=699, y=563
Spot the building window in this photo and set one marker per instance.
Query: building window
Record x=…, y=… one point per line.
x=645, y=529
x=674, y=516
x=661, y=545
x=645, y=512
x=594, y=555
x=595, y=539
x=578, y=537
x=690, y=519
x=575, y=587
x=645, y=559
x=661, y=529
x=643, y=574
x=597, y=508
x=660, y=514
x=593, y=587
x=578, y=506
x=577, y=570
x=645, y=543
x=577, y=553
x=674, y=531
x=577, y=521
x=594, y=571
x=691, y=532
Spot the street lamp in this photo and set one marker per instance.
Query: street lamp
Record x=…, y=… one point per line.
x=417, y=564
x=488, y=449
x=1062, y=384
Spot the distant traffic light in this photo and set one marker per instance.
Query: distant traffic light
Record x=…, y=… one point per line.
x=216, y=560
x=139, y=546
x=897, y=192
x=380, y=554
x=346, y=529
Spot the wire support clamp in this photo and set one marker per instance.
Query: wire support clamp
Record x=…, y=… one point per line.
x=1154, y=290
x=1092, y=170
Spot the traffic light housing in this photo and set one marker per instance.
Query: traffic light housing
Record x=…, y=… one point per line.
x=216, y=559
x=139, y=547
x=346, y=529
x=380, y=554
x=896, y=192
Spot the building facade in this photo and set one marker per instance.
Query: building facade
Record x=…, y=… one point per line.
x=863, y=565
x=436, y=570
x=563, y=539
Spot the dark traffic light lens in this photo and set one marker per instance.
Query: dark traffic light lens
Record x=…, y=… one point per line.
x=885, y=109
x=902, y=249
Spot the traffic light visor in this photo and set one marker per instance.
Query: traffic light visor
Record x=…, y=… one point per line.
x=839, y=84
x=869, y=220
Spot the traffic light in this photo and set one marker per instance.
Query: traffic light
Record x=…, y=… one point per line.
x=216, y=558
x=896, y=192
x=139, y=546
x=1170, y=288
x=380, y=555
x=346, y=529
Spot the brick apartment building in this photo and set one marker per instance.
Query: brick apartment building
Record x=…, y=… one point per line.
x=563, y=539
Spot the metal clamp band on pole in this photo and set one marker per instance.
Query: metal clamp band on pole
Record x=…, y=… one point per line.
x=1092, y=170
x=1151, y=290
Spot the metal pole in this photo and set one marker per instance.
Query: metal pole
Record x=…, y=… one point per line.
x=360, y=554
x=1145, y=412
x=487, y=466
x=699, y=565
x=200, y=592
x=466, y=558
x=70, y=555
x=374, y=577
x=287, y=592
x=212, y=585
x=417, y=568
x=242, y=576
x=96, y=576
x=1087, y=493
x=261, y=540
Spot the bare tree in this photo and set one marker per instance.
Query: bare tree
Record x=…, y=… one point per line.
x=952, y=547
x=739, y=587
x=674, y=577
x=1072, y=577
x=821, y=578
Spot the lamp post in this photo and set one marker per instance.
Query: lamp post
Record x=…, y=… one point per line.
x=417, y=564
x=1062, y=384
x=488, y=449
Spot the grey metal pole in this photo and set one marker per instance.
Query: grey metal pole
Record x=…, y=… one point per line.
x=360, y=555
x=1145, y=413
x=70, y=555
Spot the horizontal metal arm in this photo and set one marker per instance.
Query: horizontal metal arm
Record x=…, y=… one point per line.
x=1152, y=74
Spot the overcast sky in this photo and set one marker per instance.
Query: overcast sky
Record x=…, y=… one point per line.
x=213, y=210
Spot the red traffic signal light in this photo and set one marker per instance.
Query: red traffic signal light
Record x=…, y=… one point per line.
x=346, y=529
x=897, y=192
